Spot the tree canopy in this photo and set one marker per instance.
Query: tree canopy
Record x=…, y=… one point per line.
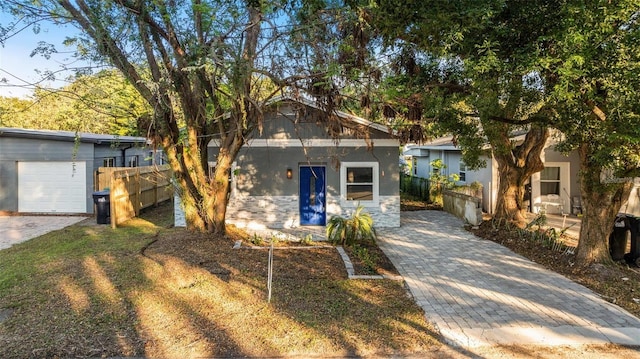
x=528, y=66
x=595, y=66
x=206, y=69
x=100, y=103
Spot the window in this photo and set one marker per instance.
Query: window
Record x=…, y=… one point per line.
x=550, y=181
x=415, y=166
x=463, y=172
x=109, y=162
x=359, y=183
x=156, y=157
x=133, y=161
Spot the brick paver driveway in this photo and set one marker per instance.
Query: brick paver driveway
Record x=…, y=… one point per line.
x=479, y=293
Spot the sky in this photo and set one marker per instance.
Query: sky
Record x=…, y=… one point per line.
x=19, y=70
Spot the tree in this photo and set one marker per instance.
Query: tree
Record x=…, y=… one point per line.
x=596, y=66
x=468, y=68
x=572, y=65
x=101, y=103
x=206, y=68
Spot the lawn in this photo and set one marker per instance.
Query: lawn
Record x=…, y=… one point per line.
x=147, y=289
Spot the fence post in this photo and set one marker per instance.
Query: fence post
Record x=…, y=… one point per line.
x=113, y=212
x=138, y=196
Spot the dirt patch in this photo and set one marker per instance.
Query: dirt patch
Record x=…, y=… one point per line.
x=5, y=314
x=618, y=283
x=413, y=204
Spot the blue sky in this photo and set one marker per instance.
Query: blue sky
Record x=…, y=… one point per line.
x=20, y=69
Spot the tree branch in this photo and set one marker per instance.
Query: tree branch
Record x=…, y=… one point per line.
x=106, y=44
x=452, y=87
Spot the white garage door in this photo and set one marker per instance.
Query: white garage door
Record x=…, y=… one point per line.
x=52, y=187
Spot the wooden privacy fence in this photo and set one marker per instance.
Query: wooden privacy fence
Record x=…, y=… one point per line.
x=133, y=189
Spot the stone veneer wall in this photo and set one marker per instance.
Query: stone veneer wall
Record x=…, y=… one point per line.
x=260, y=212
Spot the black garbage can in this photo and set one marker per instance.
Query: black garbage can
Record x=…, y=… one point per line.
x=618, y=237
x=633, y=257
x=103, y=207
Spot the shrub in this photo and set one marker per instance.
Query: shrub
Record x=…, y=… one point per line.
x=350, y=231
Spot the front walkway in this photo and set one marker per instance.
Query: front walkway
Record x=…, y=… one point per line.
x=480, y=293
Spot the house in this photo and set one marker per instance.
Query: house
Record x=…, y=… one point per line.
x=419, y=158
x=45, y=171
x=295, y=174
x=556, y=188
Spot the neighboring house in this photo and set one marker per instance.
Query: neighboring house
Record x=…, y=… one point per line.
x=53, y=171
x=294, y=174
x=555, y=188
x=420, y=157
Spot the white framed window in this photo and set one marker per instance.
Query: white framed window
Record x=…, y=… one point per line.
x=550, y=181
x=156, y=157
x=109, y=162
x=462, y=173
x=133, y=161
x=359, y=183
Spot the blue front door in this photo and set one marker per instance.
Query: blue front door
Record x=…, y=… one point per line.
x=312, y=196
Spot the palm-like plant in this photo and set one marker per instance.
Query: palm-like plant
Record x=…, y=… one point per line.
x=350, y=231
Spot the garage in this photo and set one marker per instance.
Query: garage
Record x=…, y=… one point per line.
x=53, y=172
x=52, y=187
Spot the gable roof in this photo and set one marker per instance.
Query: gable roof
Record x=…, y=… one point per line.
x=309, y=101
x=69, y=136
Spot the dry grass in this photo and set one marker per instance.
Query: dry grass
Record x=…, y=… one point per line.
x=153, y=291
x=148, y=290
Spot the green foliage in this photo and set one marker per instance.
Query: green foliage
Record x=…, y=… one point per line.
x=307, y=240
x=351, y=231
x=369, y=259
x=439, y=181
x=596, y=67
x=102, y=103
x=257, y=240
x=550, y=237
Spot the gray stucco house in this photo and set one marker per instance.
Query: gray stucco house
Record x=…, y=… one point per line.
x=53, y=171
x=556, y=187
x=295, y=174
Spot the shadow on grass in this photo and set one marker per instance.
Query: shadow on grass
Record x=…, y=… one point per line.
x=91, y=292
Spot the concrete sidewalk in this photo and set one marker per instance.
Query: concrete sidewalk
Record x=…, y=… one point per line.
x=17, y=229
x=480, y=293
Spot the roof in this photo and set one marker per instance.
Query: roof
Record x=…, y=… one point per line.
x=308, y=101
x=69, y=136
x=438, y=144
x=446, y=143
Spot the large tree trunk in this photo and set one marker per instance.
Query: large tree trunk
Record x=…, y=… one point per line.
x=205, y=201
x=600, y=204
x=510, y=206
x=515, y=167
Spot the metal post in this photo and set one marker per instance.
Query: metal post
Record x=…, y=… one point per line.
x=270, y=272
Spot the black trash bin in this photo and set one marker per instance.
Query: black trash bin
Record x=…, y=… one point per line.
x=103, y=207
x=618, y=237
x=633, y=257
